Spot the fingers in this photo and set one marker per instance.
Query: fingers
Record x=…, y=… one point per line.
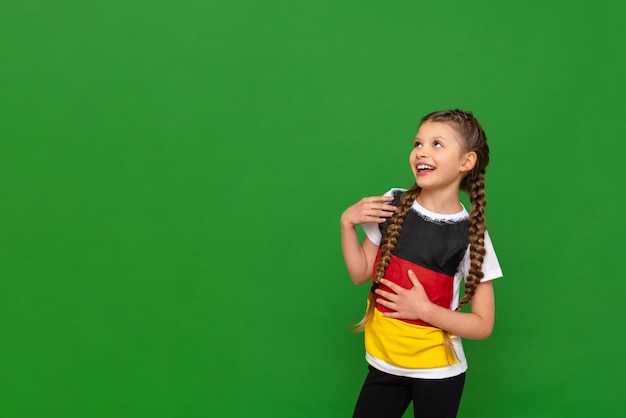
x=382, y=210
x=377, y=208
x=379, y=215
x=413, y=278
x=375, y=217
x=386, y=303
x=378, y=199
x=369, y=209
x=387, y=295
x=379, y=202
x=391, y=285
x=390, y=305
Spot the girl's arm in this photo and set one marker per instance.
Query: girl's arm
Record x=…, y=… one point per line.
x=414, y=304
x=359, y=257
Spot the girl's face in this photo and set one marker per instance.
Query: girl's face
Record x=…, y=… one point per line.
x=438, y=159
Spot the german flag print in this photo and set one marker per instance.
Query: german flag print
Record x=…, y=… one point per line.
x=433, y=248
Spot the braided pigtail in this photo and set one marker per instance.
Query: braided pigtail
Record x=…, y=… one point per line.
x=386, y=249
x=473, y=183
x=477, y=229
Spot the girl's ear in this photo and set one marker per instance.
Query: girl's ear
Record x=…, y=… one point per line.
x=468, y=162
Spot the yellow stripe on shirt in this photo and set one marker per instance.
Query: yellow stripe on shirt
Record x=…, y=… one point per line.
x=406, y=345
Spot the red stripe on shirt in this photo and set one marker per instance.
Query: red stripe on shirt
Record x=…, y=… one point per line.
x=438, y=286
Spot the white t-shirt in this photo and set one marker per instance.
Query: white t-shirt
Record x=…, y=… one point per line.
x=491, y=270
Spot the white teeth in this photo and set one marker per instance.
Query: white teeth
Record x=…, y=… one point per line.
x=425, y=167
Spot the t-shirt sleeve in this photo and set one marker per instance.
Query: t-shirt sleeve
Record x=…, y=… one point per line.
x=372, y=229
x=491, y=266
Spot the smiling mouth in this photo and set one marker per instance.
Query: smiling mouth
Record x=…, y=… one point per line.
x=424, y=168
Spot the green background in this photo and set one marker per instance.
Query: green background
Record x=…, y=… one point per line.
x=173, y=172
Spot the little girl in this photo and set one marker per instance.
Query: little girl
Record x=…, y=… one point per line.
x=420, y=244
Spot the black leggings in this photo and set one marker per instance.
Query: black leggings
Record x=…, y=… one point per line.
x=387, y=396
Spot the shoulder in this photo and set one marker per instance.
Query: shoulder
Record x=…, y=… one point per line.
x=395, y=191
x=491, y=265
x=373, y=230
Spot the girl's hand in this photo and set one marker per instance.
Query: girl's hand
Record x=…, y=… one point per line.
x=406, y=303
x=369, y=209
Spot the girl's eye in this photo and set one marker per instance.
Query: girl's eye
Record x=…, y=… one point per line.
x=416, y=144
x=438, y=144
